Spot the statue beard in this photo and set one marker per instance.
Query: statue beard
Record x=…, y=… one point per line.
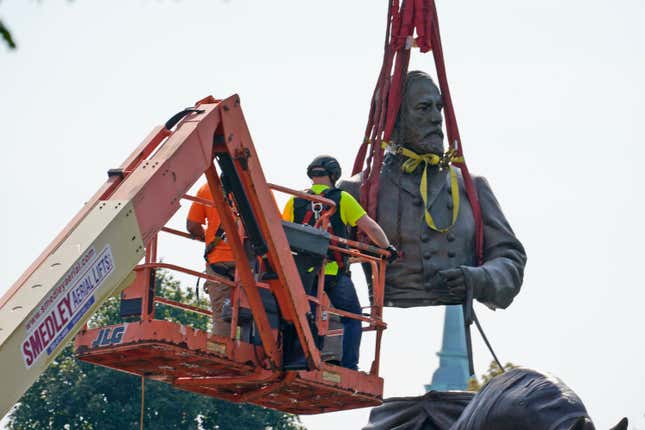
x=432, y=144
x=423, y=138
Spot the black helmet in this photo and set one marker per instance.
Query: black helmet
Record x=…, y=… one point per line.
x=328, y=163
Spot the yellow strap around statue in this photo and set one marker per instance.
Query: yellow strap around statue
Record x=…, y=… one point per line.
x=444, y=161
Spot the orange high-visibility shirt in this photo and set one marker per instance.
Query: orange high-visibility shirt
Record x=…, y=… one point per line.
x=207, y=215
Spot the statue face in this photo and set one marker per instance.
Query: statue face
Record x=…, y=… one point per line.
x=421, y=119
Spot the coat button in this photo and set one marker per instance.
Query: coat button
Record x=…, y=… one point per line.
x=425, y=237
x=417, y=201
x=427, y=255
x=449, y=205
x=451, y=254
x=450, y=237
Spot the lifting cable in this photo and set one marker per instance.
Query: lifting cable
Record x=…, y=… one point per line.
x=404, y=18
x=143, y=392
x=490, y=348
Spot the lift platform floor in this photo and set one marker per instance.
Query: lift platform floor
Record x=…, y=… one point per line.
x=193, y=360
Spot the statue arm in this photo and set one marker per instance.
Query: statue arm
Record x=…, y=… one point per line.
x=498, y=280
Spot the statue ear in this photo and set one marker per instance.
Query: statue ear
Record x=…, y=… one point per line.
x=622, y=425
x=582, y=423
x=579, y=424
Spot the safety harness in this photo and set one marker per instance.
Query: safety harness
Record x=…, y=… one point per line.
x=308, y=212
x=220, y=235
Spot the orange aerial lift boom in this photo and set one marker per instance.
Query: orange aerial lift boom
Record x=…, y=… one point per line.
x=99, y=251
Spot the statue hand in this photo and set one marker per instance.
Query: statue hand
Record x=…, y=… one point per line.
x=454, y=283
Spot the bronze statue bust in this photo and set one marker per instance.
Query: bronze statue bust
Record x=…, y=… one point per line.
x=437, y=263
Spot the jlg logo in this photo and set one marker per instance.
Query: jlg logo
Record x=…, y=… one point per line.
x=109, y=336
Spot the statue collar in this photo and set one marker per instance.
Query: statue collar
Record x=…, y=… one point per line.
x=426, y=161
x=411, y=160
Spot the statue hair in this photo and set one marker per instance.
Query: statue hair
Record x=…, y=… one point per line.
x=412, y=77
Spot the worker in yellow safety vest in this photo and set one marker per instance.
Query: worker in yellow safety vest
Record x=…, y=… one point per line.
x=324, y=171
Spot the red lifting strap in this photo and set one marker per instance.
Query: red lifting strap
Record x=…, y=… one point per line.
x=402, y=21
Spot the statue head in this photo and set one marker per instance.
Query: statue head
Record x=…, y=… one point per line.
x=418, y=125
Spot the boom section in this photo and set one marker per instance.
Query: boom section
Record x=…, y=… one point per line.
x=93, y=257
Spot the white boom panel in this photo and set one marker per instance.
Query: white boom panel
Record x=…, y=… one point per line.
x=94, y=261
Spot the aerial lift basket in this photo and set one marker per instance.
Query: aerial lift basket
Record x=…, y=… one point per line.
x=268, y=295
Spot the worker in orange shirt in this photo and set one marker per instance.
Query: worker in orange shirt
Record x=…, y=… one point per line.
x=218, y=255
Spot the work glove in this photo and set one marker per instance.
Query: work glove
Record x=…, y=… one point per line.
x=394, y=253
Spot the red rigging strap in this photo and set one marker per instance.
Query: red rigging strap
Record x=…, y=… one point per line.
x=403, y=19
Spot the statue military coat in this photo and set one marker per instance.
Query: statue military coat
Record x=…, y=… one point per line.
x=410, y=280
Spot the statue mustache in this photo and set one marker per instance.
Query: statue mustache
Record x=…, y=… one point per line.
x=433, y=132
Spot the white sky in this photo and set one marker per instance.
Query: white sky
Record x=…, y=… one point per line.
x=549, y=96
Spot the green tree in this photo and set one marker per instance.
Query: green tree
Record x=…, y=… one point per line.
x=6, y=36
x=77, y=395
x=493, y=371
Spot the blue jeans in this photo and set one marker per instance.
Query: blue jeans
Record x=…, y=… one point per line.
x=343, y=296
